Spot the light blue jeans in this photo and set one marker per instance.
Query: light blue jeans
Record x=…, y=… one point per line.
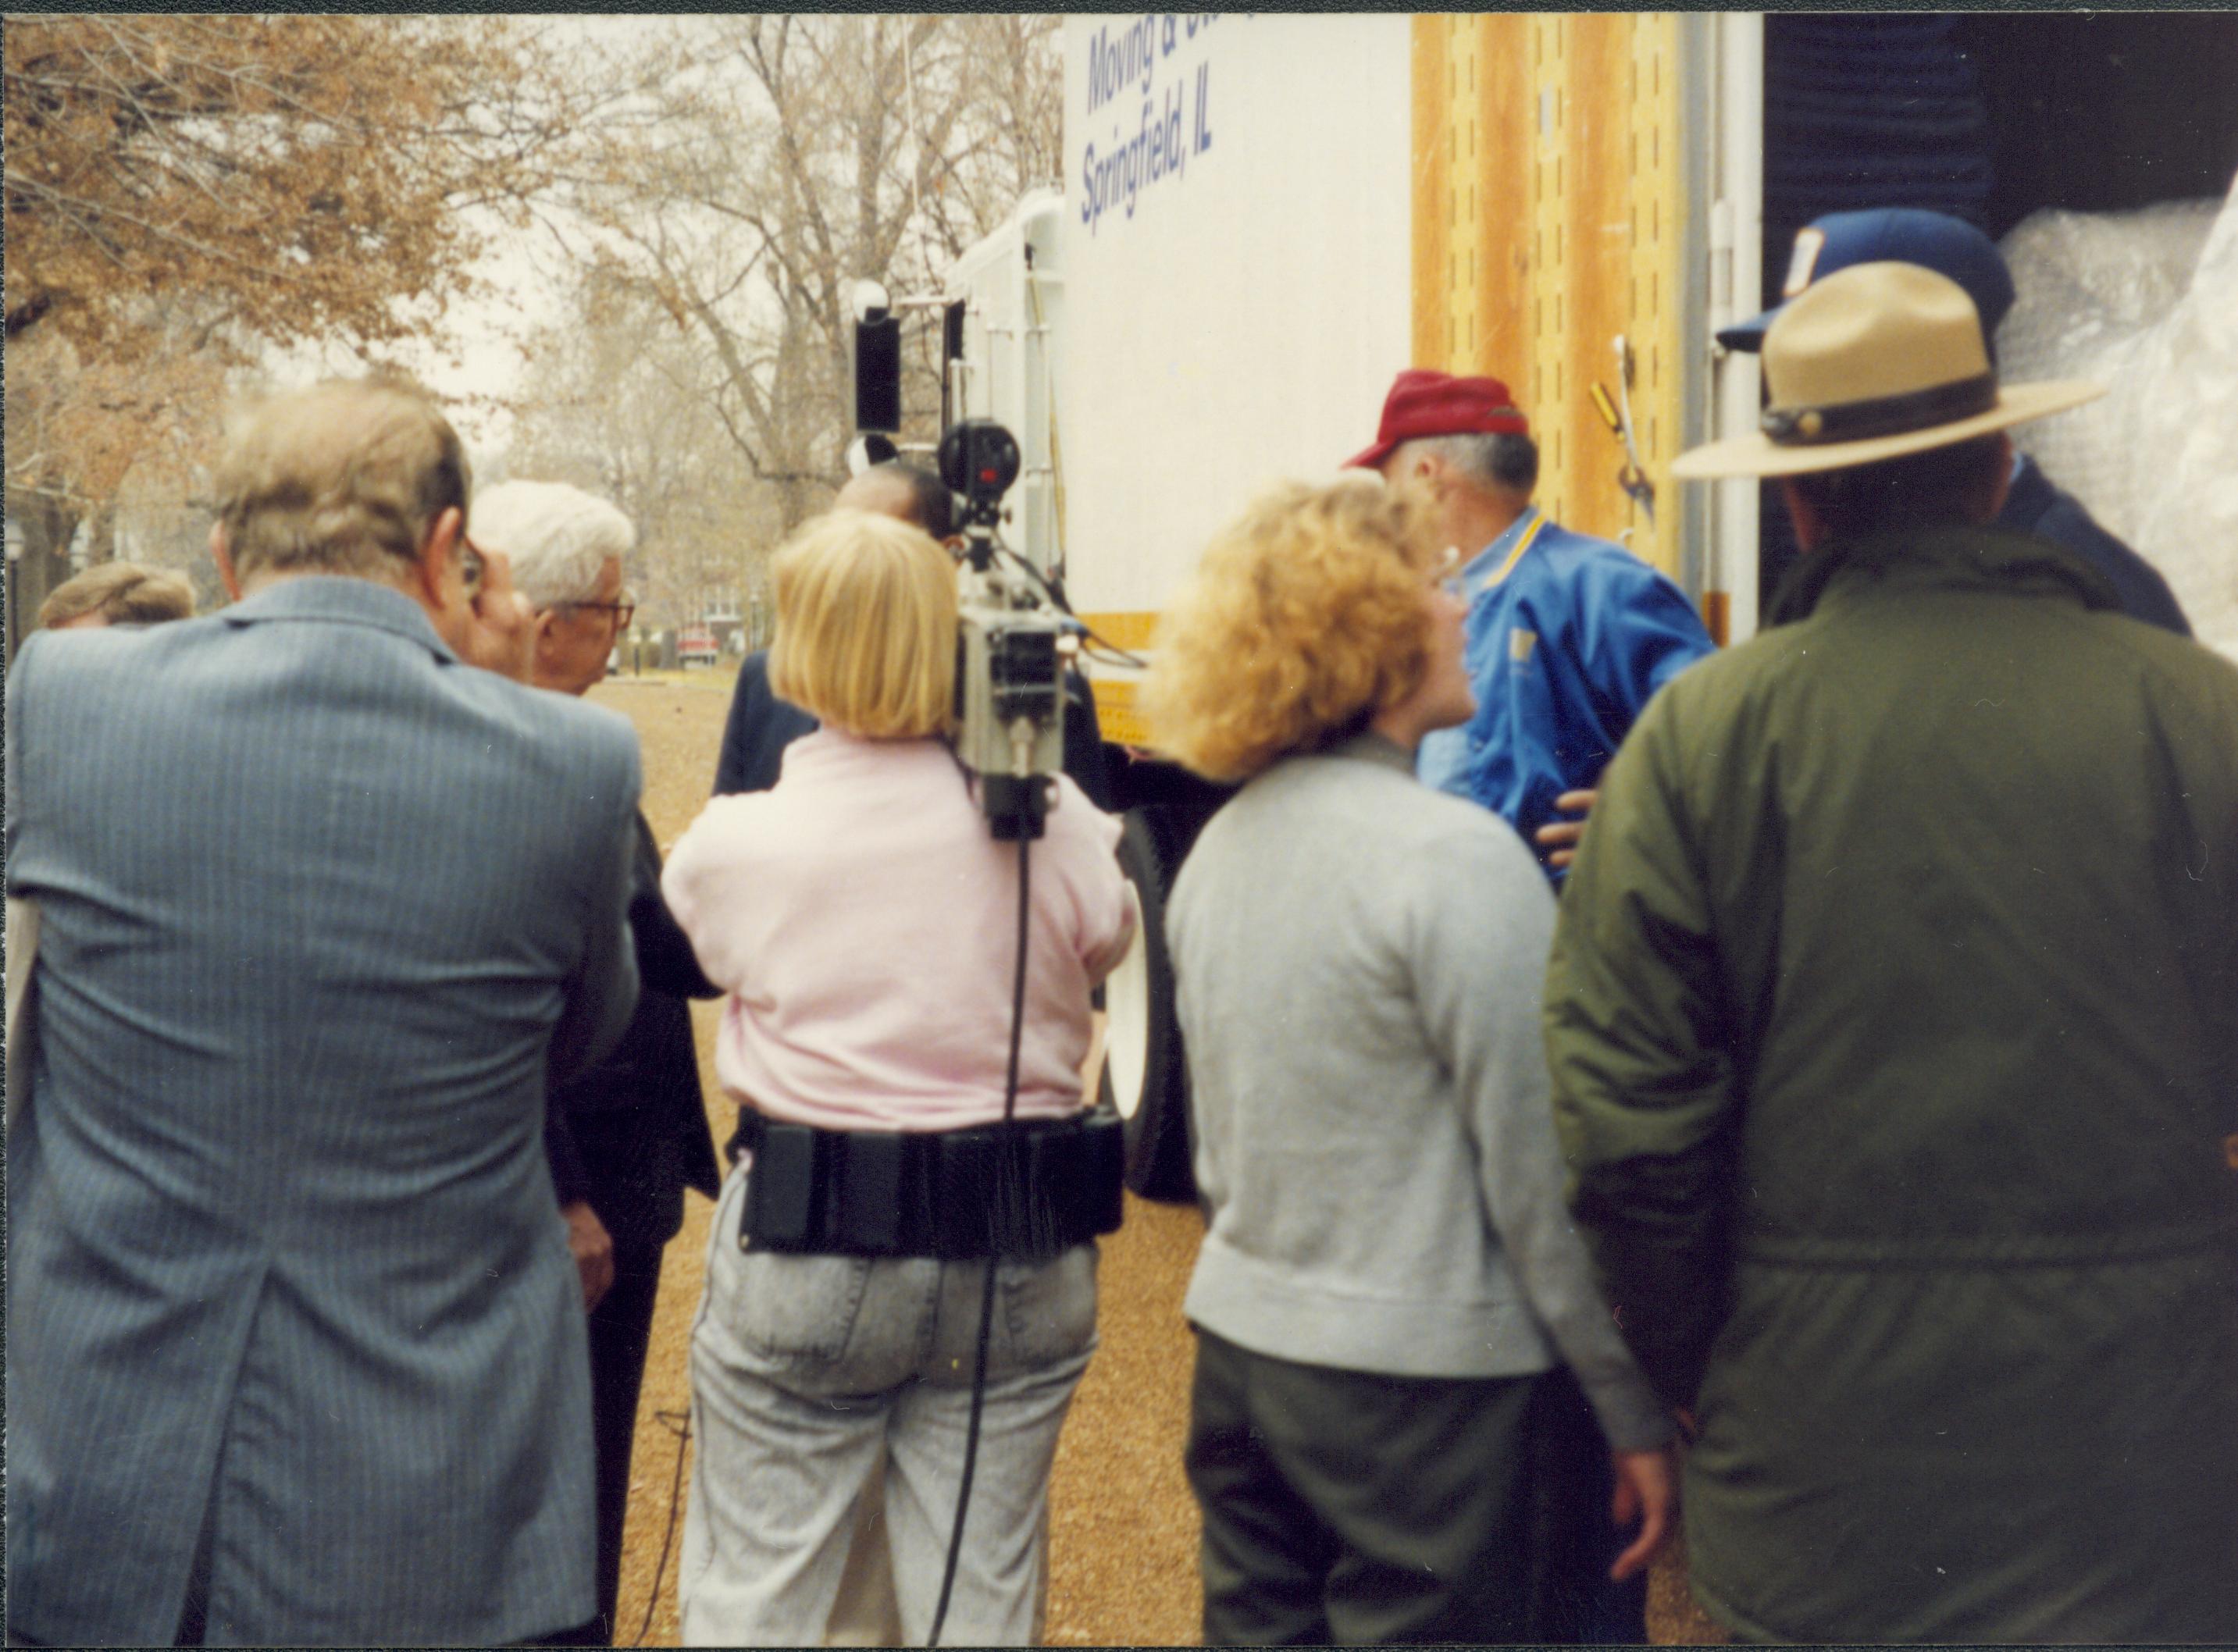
x=806, y=1371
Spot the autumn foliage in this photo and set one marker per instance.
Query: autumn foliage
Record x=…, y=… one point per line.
x=195, y=200
x=185, y=193
x=302, y=174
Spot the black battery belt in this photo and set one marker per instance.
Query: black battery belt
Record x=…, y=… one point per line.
x=1029, y=1189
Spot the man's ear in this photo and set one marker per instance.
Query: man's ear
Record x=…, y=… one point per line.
x=223, y=558
x=1809, y=527
x=1400, y=468
x=437, y=572
x=2005, y=477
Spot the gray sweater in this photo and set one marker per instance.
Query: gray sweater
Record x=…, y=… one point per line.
x=1358, y=963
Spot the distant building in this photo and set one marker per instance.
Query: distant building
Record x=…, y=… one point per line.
x=719, y=612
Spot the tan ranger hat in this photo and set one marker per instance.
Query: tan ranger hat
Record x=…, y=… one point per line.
x=1873, y=363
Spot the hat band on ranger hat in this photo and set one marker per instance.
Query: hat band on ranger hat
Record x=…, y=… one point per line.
x=1849, y=421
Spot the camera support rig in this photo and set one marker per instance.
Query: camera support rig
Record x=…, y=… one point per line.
x=1009, y=645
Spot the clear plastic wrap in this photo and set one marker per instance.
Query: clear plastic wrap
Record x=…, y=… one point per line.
x=2145, y=303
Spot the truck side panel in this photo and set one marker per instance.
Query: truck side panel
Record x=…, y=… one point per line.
x=1237, y=263
x=1550, y=213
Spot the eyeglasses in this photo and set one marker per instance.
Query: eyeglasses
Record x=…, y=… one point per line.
x=623, y=609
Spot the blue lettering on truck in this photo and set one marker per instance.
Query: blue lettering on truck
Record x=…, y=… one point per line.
x=1114, y=178
x=1117, y=60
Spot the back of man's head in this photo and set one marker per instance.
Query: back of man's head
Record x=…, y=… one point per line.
x=346, y=477
x=1498, y=462
x=1943, y=486
x=556, y=537
x=117, y=593
x=903, y=491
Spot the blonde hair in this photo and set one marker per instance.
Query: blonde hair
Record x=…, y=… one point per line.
x=346, y=477
x=866, y=626
x=1304, y=620
x=123, y=593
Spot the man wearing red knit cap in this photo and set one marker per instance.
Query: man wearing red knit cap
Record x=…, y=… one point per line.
x=1568, y=635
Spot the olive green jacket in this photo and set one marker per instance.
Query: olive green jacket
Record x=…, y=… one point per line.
x=1893, y=1018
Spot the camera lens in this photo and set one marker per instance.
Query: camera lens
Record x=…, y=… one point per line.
x=979, y=460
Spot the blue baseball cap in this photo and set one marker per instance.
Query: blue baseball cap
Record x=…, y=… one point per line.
x=1948, y=246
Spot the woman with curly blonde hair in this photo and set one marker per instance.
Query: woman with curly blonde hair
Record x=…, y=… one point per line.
x=1389, y=1283
x=1304, y=620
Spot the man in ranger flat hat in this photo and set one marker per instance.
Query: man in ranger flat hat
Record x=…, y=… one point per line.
x=1893, y=1017
x=1954, y=247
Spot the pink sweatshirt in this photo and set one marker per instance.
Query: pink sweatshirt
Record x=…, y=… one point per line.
x=865, y=927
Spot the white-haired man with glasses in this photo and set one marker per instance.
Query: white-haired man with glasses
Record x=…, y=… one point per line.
x=566, y=548
x=628, y=1136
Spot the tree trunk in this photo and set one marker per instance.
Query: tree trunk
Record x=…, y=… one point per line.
x=101, y=542
x=48, y=526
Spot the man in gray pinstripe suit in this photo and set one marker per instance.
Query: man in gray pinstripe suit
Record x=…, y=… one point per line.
x=295, y=1347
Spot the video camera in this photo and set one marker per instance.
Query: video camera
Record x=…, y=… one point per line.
x=1011, y=642
x=1012, y=639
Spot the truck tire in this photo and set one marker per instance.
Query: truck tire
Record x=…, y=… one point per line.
x=1145, y=1073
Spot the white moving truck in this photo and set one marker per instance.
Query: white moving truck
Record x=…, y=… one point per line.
x=1263, y=217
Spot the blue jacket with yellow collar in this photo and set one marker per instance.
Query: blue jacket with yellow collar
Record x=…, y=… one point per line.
x=1568, y=637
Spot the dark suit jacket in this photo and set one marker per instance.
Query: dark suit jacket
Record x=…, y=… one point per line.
x=761, y=726
x=630, y=1134
x=2034, y=505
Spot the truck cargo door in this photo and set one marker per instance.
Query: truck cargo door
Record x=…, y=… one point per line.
x=1566, y=166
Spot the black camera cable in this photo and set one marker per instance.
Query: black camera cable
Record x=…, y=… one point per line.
x=987, y=1292
x=1105, y=649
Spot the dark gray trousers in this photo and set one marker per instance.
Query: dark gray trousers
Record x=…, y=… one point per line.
x=1343, y=1507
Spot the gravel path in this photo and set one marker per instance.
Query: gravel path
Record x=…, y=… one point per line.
x=1123, y=1526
